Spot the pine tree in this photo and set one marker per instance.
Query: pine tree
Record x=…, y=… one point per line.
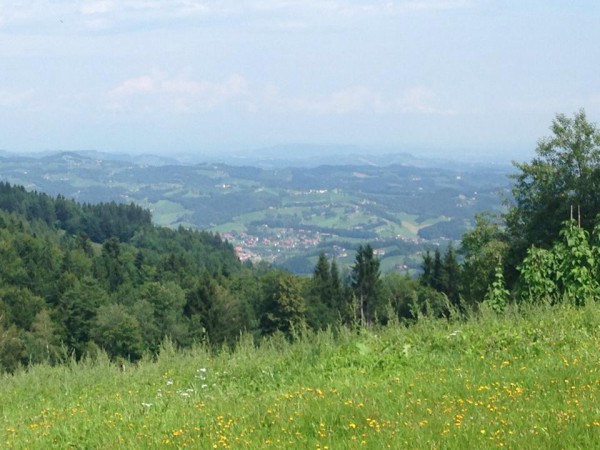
x=427, y=266
x=339, y=298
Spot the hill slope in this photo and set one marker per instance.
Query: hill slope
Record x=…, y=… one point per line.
x=527, y=380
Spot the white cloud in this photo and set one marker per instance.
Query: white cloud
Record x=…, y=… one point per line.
x=420, y=100
x=355, y=99
x=159, y=92
x=133, y=86
x=176, y=94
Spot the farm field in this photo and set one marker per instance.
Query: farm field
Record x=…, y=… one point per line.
x=526, y=379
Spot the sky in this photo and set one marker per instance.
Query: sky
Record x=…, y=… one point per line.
x=452, y=77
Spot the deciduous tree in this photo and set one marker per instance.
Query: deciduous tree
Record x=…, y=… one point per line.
x=564, y=174
x=284, y=307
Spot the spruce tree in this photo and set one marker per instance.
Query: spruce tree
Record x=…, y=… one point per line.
x=365, y=279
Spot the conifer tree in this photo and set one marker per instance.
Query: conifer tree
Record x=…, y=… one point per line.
x=365, y=279
x=427, y=267
x=451, y=275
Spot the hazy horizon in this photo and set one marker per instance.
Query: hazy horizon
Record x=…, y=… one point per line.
x=295, y=154
x=445, y=78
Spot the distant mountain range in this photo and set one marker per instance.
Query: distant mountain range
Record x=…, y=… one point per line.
x=292, y=155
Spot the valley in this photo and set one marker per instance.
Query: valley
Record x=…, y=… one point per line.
x=285, y=215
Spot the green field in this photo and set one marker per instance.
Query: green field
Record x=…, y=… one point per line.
x=165, y=212
x=528, y=379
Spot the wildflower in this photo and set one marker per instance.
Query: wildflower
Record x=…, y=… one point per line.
x=169, y=382
x=146, y=405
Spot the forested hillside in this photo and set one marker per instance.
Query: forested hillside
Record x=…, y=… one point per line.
x=75, y=278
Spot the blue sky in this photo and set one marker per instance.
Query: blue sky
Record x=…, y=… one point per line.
x=474, y=77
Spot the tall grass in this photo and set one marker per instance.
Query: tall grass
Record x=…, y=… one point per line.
x=527, y=379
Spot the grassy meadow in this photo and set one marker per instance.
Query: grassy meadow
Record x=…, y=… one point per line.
x=526, y=379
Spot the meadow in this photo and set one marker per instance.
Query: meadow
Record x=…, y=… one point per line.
x=529, y=378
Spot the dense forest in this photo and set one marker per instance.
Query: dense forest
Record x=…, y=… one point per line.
x=78, y=278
